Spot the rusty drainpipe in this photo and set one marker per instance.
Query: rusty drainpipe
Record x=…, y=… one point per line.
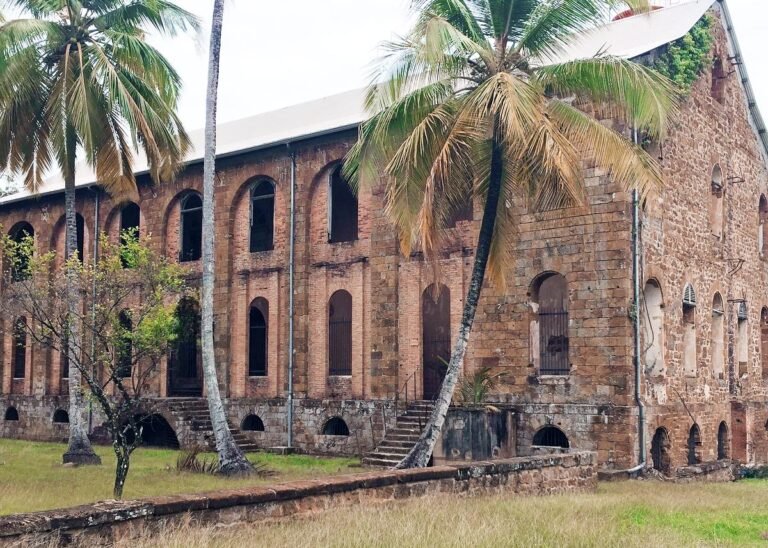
x=291, y=304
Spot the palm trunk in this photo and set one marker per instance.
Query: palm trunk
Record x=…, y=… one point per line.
x=231, y=458
x=421, y=452
x=79, y=450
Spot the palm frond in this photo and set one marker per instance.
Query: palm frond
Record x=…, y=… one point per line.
x=553, y=24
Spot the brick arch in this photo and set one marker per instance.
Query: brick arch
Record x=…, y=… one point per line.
x=171, y=223
x=58, y=238
x=240, y=212
x=112, y=220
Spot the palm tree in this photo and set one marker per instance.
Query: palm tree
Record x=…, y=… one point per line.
x=466, y=105
x=78, y=78
x=231, y=458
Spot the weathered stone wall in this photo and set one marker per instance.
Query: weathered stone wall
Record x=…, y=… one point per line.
x=102, y=523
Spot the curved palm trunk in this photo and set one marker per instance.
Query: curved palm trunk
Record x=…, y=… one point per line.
x=231, y=458
x=79, y=450
x=421, y=452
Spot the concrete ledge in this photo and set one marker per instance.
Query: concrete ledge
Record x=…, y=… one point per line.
x=103, y=522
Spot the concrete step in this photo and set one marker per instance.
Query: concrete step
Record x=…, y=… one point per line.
x=404, y=444
x=379, y=462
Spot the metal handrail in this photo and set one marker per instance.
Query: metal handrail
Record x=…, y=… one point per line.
x=404, y=388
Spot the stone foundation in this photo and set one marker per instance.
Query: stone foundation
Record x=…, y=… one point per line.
x=101, y=524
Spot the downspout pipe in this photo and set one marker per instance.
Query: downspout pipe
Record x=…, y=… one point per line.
x=291, y=303
x=96, y=236
x=636, y=326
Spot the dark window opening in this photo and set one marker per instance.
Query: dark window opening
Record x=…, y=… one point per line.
x=336, y=427
x=252, y=423
x=20, y=348
x=262, y=216
x=435, y=337
x=551, y=436
x=342, y=210
x=155, y=432
x=660, y=451
x=184, y=361
x=722, y=441
x=61, y=417
x=191, y=228
x=257, y=342
x=130, y=223
x=124, y=351
x=64, y=358
x=340, y=334
x=719, y=79
x=551, y=299
x=80, y=236
x=11, y=414
x=23, y=238
x=694, y=445
x=463, y=213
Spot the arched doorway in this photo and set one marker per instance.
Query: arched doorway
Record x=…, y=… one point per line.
x=436, y=338
x=184, y=362
x=660, y=451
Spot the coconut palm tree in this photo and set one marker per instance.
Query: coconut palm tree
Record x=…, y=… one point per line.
x=470, y=105
x=79, y=80
x=231, y=458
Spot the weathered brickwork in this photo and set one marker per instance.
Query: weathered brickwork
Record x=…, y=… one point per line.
x=688, y=236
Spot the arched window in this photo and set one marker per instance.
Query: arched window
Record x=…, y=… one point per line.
x=342, y=209
x=80, y=235
x=742, y=339
x=716, y=202
x=60, y=417
x=436, y=338
x=719, y=78
x=19, y=348
x=764, y=341
x=130, y=225
x=11, y=414
x=23, y=236
x=722, y=441
x=64, y=358
x=262, y=216
x=124, y=351
x=551, y=436
x=340, y=334
x=718, y=337
x=252, y=423
x=660, y=451
x=762, y=233
x=257, y=338
x=694, y=445
x=336, y=427
x=549, y=341
x=191, y=228
x=184, y=368
x=652, y=322
x=689, y=331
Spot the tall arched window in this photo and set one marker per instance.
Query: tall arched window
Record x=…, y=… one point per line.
x=652, y=322
x=694, y=445
x=257, y=338
x=262, y=216
x=19, y=354
x=436, y=338
x=722, y=441
x=716, y=202
x=719, y=78
x=124, y=351
x=191, y=240
x=549, y=327
x=764, y=341
x=718, y=337
x=340, y=334
x=762, y=234
x=184, y=367
x=80, y=230
x=742, y=339
x=689, y=331
x=22, y=236
x=342, y=209
x=130, y=223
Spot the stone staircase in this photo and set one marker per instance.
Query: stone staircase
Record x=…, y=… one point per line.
x=194, y=413
x=399, y=440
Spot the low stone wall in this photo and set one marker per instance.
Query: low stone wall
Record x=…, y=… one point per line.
x=708, y=472
x=102, y=523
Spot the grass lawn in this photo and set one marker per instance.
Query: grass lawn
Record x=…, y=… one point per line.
x=32, y=477
x=632, y=514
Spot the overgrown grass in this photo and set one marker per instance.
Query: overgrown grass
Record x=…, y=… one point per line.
x=32, y=477
x=633, y=514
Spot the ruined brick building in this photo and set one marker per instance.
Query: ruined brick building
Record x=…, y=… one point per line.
x=368, y=333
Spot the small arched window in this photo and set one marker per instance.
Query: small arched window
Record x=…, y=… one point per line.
x=694, y=445
x=660, y=450
x=652, y=322
x=19, y=348
x=342, y=209
x=252, y=423
x=11, y=414
x=718, y=337
x=742, y=339
x=60, y=417
x=716, y=202
x=551, y=436
x=689, y=331
x=549, y=338
x=762, y=234
x=130, y=226
x=336, y=427
x=257, y=339
x=191, y=228
x=722, y=441
x=340, y=334
x=124, y=351
x=262, y=216
x=23, y=238
x=719, y=79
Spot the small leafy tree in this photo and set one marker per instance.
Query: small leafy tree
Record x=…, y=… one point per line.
x=127, y=319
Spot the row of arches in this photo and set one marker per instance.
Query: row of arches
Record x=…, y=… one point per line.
x=335, y=426
x=661, y=446
x=652, y=326
x=60, y=416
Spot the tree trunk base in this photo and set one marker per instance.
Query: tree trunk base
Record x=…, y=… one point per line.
x=81, y=457
x=237, y=469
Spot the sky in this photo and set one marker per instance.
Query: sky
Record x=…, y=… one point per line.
x=276, y=54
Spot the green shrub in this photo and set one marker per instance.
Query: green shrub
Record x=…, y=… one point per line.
x=686, y=58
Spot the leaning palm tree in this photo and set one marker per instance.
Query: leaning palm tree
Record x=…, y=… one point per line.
x=231, y=459
x=468, y=106
x=79, y=80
